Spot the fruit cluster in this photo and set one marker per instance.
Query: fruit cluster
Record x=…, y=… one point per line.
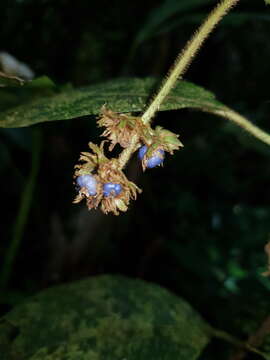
x=100, y=180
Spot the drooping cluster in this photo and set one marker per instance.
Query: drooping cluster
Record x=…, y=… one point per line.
x=102, y=183
x=152, y=153
x=100, y=180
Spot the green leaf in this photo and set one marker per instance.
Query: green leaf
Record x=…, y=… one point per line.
x=42, y=82
x=107, y=317
x=120, y=95
x=14, y=96
x=267, y=2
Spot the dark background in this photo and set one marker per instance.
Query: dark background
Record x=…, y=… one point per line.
x=200, y=225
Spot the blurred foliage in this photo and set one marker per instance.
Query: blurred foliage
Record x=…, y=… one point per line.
x=164, y=13
x=200, y=226
x=9, y=80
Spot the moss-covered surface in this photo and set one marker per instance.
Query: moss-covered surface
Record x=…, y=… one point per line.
x=103, y=318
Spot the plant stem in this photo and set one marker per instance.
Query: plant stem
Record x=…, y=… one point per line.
x=181, y=64
x=126, y=153
x=186, y=56
x=238, y=343
x=23, y=212
x=241, y=121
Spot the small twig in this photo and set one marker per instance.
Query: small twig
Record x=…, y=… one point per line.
x=244, y=123
x=238, y=343
x=23, y=212
x=255, y=339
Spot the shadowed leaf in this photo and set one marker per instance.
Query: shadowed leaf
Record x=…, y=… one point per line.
x=107, y=317
x=13, y=96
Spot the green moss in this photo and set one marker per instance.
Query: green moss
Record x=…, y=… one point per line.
x=107, y=317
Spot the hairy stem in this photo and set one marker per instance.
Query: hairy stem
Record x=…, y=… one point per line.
x=186, y=56
x=126, y=153
x=181, y=64
x=241, y=121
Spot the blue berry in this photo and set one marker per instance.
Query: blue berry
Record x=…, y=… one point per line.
x=111, y=189
x=89, y=182
x=154, y=160
x=142, y=152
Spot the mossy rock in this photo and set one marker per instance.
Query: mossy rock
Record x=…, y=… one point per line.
x=103, y=318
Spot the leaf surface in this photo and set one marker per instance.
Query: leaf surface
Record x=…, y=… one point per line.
x=120, y=95
x=106, y=317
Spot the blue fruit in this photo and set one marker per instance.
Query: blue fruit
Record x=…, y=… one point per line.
x=142, y=152
x=89, y=182
x=156, y=159
x=111, y=189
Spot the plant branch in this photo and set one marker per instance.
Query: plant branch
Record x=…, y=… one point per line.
x=241, y=121
x=186, y=56
x=255, y=339
x=23, y=212
x=238, y=343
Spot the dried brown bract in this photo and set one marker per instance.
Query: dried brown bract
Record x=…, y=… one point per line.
x=120, y=128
